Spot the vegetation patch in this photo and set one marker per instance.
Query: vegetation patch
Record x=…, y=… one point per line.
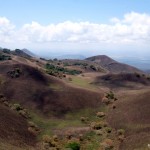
x=73, y=146
x=59, y=71
x=15, y=73
x=4, y=57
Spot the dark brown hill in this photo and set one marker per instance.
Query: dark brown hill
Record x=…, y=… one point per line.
x=123, y=80
x=132, y=114
x=34, y=89
x=14, y=129
x=112, y=65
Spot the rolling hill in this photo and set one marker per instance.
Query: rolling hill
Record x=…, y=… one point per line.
x=126, y=80
x=58, y=93
x=37, y=90
x=112, y=65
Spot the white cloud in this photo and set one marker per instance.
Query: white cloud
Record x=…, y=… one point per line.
x=133, y=28
x=6, y=30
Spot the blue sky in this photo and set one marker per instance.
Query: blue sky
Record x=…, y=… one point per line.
x=115, y=27
x=55, y=11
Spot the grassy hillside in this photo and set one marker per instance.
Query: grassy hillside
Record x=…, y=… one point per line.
x=37, y=90
x=14, y=131
x=70, y=104
x=132, y=114
x=124, y=80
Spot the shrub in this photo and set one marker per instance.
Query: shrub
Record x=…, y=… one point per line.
x=93, y=67
x=73, y=146
x=24, y=113
x=121, y=138
x=110, y=95
x=115, y=99
x=69, y=136
x=96, y=125
x=120, y=131
x=81, y=137
x=138, y=75
x=57, y=70
x=113, y=106
x=55, y=138
x=99, y=132
x=46, y=138
x=46, y=146
x=17, y=107
x=84, y=119
x=4, y=57
x=14, y=73
x=108, y=130
x=107, y=144
x=18, y=70
x=148, y=78
x=64, y=75
x=7, y=51
x=32, y=130
x=105, y=124
x=6, y=103
x=100, y=114
x=32, y=124
x=3, y=99
x=106, y=101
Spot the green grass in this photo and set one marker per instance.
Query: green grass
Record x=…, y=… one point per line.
x=71, y=119
x=87, y=112
x=56, y=87
x=49, y=124
x=94, y=143
x=82, y=82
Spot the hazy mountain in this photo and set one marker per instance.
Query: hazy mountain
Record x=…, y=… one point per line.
x=81, y=57
x=28, y=52
x=139, y=62
x=147, y=71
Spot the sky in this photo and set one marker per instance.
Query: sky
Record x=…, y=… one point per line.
x=119, y=28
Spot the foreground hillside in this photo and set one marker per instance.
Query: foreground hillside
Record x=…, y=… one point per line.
x=132, y=114
x=14, y=130
x=60, y=104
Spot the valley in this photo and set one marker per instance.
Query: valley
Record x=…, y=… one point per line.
x=70, y=104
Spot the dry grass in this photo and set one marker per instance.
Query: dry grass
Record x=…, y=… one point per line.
x=13, y=129
x=43, y=92
x=132, y=114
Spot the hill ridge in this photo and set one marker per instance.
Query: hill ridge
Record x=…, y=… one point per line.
x=112, y=65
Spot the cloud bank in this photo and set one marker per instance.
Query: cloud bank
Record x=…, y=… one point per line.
x=132, y=28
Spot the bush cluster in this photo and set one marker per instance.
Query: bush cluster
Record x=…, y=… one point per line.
x=57, y=70
x=4, y=57
x=22, y=111
x=50, y=142
x=15, y=73
x=73, y=146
